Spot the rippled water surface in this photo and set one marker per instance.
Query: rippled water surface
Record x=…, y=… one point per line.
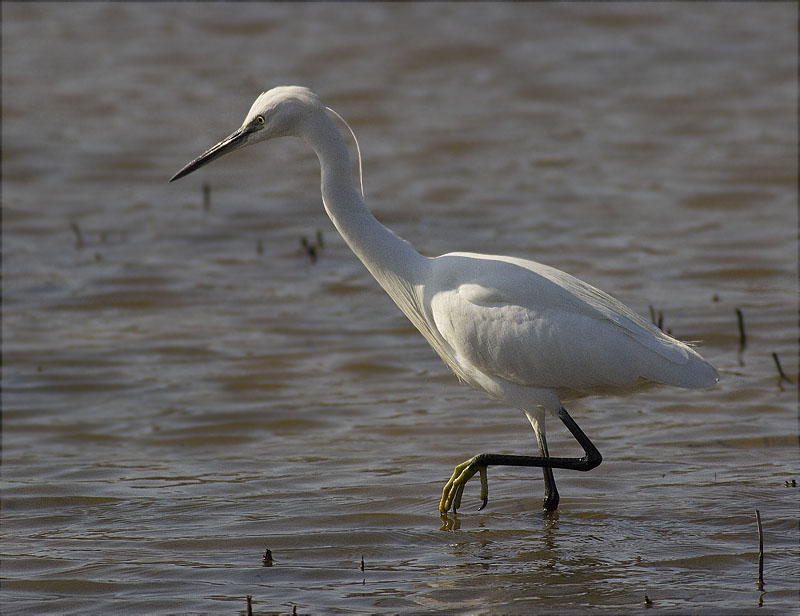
x=184, y=388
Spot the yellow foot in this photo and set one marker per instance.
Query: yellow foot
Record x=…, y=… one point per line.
x=454, y=489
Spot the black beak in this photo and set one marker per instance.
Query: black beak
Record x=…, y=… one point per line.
x=229, y=144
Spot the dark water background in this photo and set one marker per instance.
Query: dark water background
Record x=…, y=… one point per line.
x=183, y=388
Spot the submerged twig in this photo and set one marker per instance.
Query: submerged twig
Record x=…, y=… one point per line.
x=760, y=552
x=312, y=250
x=78, y=235
x=781, y=373
x=657, y=318
x=206, y=196
x=249, y=605
x=740, y=321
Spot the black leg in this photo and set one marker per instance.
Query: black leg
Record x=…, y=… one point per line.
x=551, y=497
x=463, y=472
x=591, y=460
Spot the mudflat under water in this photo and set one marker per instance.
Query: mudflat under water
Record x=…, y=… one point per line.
x=184, y=388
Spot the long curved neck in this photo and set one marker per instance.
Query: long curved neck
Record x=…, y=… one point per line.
x=390, y=259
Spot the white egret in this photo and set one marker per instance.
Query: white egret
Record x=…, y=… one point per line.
x=520, y=331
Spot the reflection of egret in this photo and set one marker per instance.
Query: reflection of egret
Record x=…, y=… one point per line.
x=518, y=330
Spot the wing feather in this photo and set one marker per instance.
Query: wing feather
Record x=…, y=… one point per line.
x=533, y=325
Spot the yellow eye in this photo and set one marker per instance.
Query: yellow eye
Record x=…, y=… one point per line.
x=260, y=119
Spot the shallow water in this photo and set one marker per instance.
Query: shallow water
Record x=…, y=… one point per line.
x=183, y=388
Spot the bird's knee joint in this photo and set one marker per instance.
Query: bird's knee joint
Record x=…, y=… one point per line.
x=592, y=459
x=479, y=461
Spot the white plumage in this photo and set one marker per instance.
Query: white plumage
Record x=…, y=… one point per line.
x=522, y=332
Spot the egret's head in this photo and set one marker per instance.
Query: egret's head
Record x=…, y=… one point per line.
x=280, y=112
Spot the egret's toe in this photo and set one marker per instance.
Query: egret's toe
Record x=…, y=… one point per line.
x=454, y=488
